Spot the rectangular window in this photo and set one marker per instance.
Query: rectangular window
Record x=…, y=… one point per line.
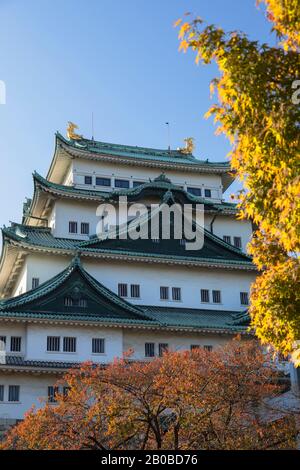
x=69, y=344
x=1, y=392
x=137, y=183
x=155, y=240
x=15, y=343
x=182, y=241
x=216, y=295
x=204, y=295
x=207, y=192
x=237, y=241
x=98, y=345
x=66, y=391
x=149, y=349
x=208, y=347
x=14, y=393
x=53, y=343
x=194, y=347
x=135, y=290
x=2, y=343
x=35, y=282
x=164, y=293
x=227, y=239
x=244, y=298
x=162, y=348
x=85, y=228
x=121, y=183
x=52, y=392
x=103, y=181
x=122, y=290
x=72, y=227
x=88, y=180
x=176, y=293
x=194, y=191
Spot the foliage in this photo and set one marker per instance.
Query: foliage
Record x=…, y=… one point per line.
x=255, y=110
x=184, y=400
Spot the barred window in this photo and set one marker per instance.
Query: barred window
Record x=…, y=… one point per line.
x=182, y=241
x=2, y=343
x=135, y=290
x=103, y=181
x=162, y=348
x=98, y=345
x=237, y=241
x=1, y=392
x=35, y=282
x=70, y=302
x=155, y=240
x=85, y=228
x=194, y=191
x=88, y=180
x=207, y=192
x=69, y=344
x=52, y=392
x=14, y=393
x=149, y=349
x=15, y=343
x=66, y=391
x=208, y=347
x=122, y=290
x=227, y=239
x=194, y=347
x=204, y=295
x=53, y=343
x=72, y=227
x=176, y=293
x=121, y=183
x=216, y=295
x=244, y=298
x=164, y=293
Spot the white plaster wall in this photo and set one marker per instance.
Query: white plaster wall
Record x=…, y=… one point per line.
x=225, y=225
x=37, y=343
x=67, y=211
x=13, y=329
x=22, y=282
x=44, y=267
x=135, y=340
x=33, y=388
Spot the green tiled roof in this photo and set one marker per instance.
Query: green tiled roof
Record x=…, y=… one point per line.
x=17, y=361
x=135, y=152
x=214, y=250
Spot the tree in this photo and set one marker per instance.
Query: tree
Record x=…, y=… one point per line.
x=258, y=114
x=184, y=400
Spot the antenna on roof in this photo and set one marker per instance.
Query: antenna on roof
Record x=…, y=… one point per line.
x=168, y=125
x=92, y=125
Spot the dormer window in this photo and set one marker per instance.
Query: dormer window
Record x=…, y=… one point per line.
x=71, y=302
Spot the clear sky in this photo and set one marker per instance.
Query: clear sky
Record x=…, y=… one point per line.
x=64, y=59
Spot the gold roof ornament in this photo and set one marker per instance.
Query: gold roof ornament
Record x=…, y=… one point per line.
x=189, y=146
x=70, y=131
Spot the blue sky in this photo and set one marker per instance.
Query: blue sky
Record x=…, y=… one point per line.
x=64, y=59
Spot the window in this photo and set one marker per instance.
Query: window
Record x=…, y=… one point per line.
x=70, y=302
x=227, y=239
x=52, y=392
x=162, y=348
x=208, y=347
x=69, y=344
x=182, y=241
x=244, y=298
x=207, y=192
x=216, y=295
x=103, y=181
x=2, y=343
x=88, y=180
x=164, y=293
x=176, y=293
x=121, y=183
x=237, y=241
x=98, y=345
x=155, y=240
x=135, y=290
x=1, y=392
x=14, y=393
x=85, y=228
x=194, y=347
x=65, y=391
x=204, y=295
x=15, y=343
x=53, y=343
x=72, y=227
x=149, y=349
x=194, y=191
x=137, y=183
x=35, y=282
x=122, y=290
